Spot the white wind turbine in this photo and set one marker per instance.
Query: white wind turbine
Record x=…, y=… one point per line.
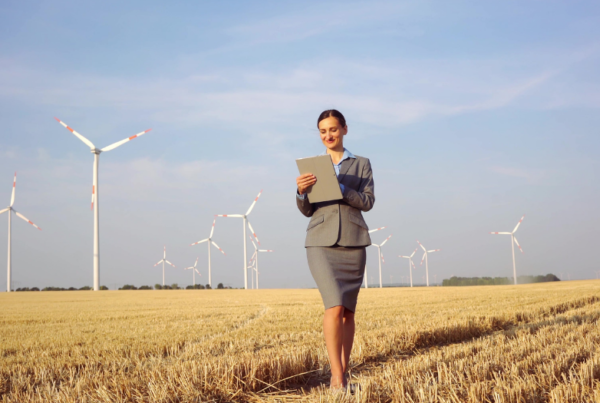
x=244, y=221
x=410, y=264
x=210, y=241
x=426, y=257
x=10, y=209
x=163, y=261
x=194, y=271
x=95, y=193
x=365, y=275
x=252, y=267
x=255, y=257
x=381, y=259
x=513, y=242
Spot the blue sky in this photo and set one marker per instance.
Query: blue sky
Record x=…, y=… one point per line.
x=472, y=114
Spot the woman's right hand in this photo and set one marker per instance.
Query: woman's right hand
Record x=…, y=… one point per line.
x=304, y=182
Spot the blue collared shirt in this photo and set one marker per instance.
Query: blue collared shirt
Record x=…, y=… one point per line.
x=336, y=167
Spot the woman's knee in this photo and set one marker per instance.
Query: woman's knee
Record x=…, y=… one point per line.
x=335, y=311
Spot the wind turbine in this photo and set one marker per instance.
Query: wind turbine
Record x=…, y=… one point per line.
x=10, y=209
x=210, y=241
x=255, y=256
x=365, y=275
x=380, y=258
x=244, y=218
x=163, y=261
x=426, y=257
x=95, y=193
x=512, y=243
x=252, y=266
x=194, y=271
x=410, y=262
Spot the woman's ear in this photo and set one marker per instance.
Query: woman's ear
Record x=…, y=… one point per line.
x=344, y=130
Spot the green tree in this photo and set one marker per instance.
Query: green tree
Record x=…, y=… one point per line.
x=220, y=286
x=157, y=287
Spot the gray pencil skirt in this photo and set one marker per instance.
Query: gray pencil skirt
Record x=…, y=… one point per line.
x=338, y=272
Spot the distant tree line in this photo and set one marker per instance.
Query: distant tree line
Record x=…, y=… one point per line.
x=466, y=281
x=174, y=286
x=84, y=288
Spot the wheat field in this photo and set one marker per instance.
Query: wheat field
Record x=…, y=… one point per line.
x=529, y=343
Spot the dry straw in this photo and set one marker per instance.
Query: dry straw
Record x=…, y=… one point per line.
x=532, y=343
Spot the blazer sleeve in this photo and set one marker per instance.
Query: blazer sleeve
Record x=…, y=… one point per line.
x=363, y=198
x=304, y=205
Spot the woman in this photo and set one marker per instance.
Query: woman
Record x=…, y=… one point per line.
x=336, y=238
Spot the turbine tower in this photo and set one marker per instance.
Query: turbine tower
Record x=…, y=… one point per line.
x=380, y=258
x=10, y=210
x=244, y=218
x=365, y=275
x=426, y=257
x=410, y=264
x=95, y=193
x=210, y=241
x=255, y=257
x=194, y=271
x=163, y=261
x=512, y=243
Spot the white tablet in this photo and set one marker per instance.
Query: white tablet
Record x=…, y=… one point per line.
x=327, y=187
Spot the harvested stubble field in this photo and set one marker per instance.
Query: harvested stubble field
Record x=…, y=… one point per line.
x=530, y=343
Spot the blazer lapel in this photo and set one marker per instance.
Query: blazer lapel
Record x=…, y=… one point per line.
x=346, y=164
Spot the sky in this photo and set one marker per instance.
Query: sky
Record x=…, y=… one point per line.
x=472, y=114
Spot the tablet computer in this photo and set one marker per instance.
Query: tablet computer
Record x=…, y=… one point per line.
x=327, y=187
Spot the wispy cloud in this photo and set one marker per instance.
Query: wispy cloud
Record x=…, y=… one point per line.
x=517, y=172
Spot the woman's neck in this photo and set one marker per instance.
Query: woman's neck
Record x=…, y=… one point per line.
x=336, y=155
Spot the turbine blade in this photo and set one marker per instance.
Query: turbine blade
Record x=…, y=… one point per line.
x=217, y=246
x=253, y=233
x=196, y=243
x=386, y=239
x=266, y=250
x=118, y=143
x=515, y=238
x=406, y=257
x=164, y=252
x=376, y=229
x=519, y=223
x=433, y=250
x=23, y=217
x=252, y=240
x=413, y=264
x=12, y=197
x=422, y=247
x=159, y=262
x=198, y=272
x=501, y=233
x=86, y=141
x=212, y=229
x=93, y=196
x=3, y=211
x=195, y=264
x=253, y=203
x=415, y=251
x=230, y=215
x=382, y=259
x=423, y=258
x=169, y=263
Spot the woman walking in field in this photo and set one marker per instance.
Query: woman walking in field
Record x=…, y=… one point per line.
x=336, y=241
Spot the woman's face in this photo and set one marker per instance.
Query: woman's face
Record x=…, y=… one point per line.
x=332, y=134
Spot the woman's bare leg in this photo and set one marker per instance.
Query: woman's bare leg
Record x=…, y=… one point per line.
x=333, y=329
x=348, y=338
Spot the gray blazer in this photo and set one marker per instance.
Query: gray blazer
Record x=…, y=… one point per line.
x=341, y=221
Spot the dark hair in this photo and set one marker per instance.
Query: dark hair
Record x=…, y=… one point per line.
x=332, y=113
